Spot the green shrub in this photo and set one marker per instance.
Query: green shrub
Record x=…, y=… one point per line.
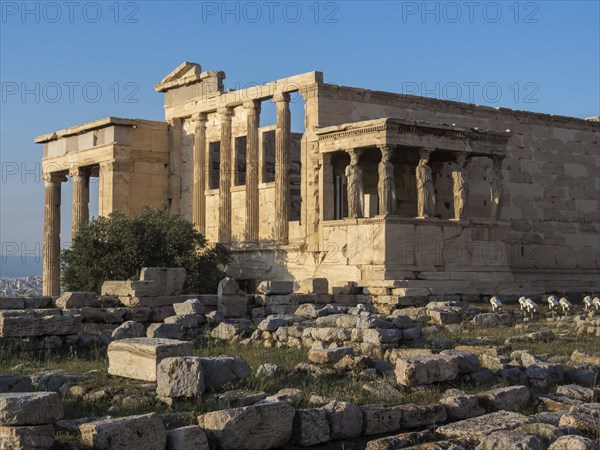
x=117, y=247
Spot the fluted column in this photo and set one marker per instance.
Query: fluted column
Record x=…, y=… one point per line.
x=199, y=200
x=81, y=198
x=51, y=269
x=225, y=177
x=282, y=158
x=252, y=203
x=175, y=128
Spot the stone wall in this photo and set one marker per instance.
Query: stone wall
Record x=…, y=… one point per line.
x=551, y=174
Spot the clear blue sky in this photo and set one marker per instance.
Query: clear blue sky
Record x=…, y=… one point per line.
x=540, y=56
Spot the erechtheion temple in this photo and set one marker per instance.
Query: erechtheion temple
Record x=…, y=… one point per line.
x=382, y=189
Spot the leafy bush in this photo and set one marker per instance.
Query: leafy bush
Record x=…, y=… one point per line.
x=117, y=247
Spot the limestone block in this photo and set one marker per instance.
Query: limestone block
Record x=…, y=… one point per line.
x=137, y=358
x=416, y=416
x=404, y=440
x=40, y=437
x=171, y=280
x=184, y=322
x=261, y=426
x=510, y=440
x=221, y=370
x=12, y=303
x=467, y=362
x=381, y=419
x=329, y=355
x=461, y=406
x=191, y=306
x=144, y=432
x=570, y=390
x=402, y=322
x=28, y=324
x=313, y=286
x=570, y=442
x=70, y=300
x=510, y=398
x=491, y=320
x=114, y=315
x=160, y=313
x=187, y=438
x=240, y=397
x=227, y=331
x=164, y=331
x=15, y=384
x=580, y=421
x=153, y=301
x=425, y=369
x=345, y=420
x=311, y=427
x=271, y=323
x=128, y=330
x=477, y=427
x=228, y=286
x=443, y=317
x=275, y=287
x=30, y=408
x=233, y=305
x=378, y=336
x=181, y=376
x=307, y=310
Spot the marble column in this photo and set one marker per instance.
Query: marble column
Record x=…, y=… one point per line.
x=81, y=198
x=496, y=181
x=199, y=201
x=225, y=176
x=252, y=201
x=460, y=186
x=51, y=269
x=282, y=159
x=326, y=187
x=175, y=130
x=386, y=186
x=425, y=191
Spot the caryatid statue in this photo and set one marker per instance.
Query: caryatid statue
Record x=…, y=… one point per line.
x=496, y=181
x=425, y=191
x=460, y=186
x=355, y=186
x=386, y=187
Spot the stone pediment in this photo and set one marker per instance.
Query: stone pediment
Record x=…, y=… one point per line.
x=185, y=73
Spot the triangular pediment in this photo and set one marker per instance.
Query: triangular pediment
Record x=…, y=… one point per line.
x=185, y=73
x=184, y=70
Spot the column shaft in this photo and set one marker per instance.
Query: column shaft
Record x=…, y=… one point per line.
x=225, y=177
x=199, y=200
x=175, y=165
x=51, y=269
x=252, y=202
x=81, y=199
x=282, y=159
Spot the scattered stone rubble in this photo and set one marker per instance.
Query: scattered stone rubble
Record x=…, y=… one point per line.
x=519, y=400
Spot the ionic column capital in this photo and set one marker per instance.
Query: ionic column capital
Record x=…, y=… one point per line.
x=175, y=122
x=281, y=97
x=54, y=177
x=225, y=112
x=252, y=106
x=199, y=119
